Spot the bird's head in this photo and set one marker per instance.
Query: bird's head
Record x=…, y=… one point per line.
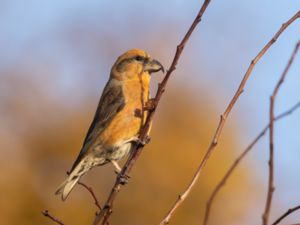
x=134, y=62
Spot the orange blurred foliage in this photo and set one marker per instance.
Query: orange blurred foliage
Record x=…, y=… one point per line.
x=48, y=136
x=42, y=131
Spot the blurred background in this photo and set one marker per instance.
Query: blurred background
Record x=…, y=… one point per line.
x=55, y=59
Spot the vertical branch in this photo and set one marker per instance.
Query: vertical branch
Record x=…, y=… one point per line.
x=238, y=161
x=223, y=118
x=271, y=137
x=106, y=211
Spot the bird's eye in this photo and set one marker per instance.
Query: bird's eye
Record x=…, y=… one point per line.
x=139, y=58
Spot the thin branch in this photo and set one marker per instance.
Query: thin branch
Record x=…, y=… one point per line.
x=271, y=187
x=107, y=209
x=238, y=160
x=90, y=190
x=291, y=210
x=223, y=118
x=47, y=214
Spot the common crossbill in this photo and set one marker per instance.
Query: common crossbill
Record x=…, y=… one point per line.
x=116, y=123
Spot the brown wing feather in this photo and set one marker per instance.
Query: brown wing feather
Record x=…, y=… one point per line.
x=111, y=102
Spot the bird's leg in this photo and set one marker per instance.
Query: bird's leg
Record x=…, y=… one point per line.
x=123, y=177
x=116, y=165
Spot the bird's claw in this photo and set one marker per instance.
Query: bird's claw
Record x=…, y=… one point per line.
x=142, y=143
x=150, y=105
x=123, y=178
x=147, y=140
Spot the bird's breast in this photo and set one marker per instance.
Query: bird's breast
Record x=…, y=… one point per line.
x=127, y=122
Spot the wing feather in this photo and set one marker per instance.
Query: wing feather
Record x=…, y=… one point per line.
x=111, y=102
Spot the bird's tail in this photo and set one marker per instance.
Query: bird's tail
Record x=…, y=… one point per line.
x=66, y=187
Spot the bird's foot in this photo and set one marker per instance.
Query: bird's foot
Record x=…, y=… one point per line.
x=124, y=178
x=142, y=143
x=147, y=140
x=150, y=105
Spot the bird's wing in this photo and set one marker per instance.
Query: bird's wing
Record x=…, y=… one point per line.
x=111, y=102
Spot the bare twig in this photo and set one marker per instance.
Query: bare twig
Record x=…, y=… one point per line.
x=107, y=209
x=291, y=210
x=47, y=214
x=223, y=118
x=271, y=188
x=238, y=160
x=90, y=190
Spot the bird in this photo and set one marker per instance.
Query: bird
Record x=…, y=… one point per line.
x=119, y=116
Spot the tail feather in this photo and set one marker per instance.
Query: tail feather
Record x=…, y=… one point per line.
x=66, y=187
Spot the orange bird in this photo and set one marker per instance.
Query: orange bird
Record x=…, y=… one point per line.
x=118, y=118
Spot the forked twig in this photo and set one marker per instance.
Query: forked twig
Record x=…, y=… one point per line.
x=223, y=118
x=271, y=188
x=291, y=210
x=90, y=190
x=107, y=209
x=47, y=214
x=238, y=160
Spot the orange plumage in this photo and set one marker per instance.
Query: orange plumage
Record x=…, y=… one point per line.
x=118, y=118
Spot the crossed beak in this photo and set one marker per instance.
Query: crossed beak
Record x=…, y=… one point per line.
x=152, y=66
